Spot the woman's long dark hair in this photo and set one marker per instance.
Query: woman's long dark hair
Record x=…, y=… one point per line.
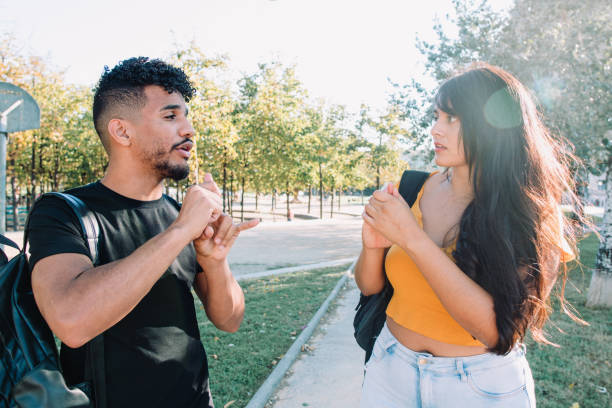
x=509, y=235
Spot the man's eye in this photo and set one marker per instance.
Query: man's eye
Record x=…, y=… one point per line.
x=452, y=118
x=172, y=116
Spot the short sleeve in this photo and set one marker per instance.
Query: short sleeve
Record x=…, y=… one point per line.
x=54, y=229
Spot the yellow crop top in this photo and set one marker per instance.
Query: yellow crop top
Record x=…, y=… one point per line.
x=415, y=305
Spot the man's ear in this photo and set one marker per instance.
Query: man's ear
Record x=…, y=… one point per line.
x=118, y=132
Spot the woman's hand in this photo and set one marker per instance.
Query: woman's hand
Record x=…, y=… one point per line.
x=373, y=239
x=390, y=218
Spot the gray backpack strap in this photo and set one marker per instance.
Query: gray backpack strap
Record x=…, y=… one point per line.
x=89, y=223
x=94, y=362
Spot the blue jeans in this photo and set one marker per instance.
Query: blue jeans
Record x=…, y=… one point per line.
x=399, y=377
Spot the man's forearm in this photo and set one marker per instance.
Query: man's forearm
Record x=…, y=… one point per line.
x=221, y=295
x=80, y=307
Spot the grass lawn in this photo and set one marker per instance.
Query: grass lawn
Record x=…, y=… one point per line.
x=571, y=376
x=277, y=310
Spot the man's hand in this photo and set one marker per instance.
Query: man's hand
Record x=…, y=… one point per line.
x=201, y=206
x=217, y=239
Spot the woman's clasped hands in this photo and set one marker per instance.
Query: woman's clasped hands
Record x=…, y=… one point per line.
x=388, y=220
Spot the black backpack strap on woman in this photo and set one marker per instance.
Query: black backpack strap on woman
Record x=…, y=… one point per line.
x=371, y=310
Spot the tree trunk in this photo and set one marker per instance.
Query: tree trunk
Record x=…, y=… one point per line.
x=600, y=289
x=273, y=199
x=56, y=173
x=378, y=177
x=231, y=198
x=14, y=201
x=32, y=195
x=256, y=200
x=362, y=197
x=320, y=192
x=288, y=209
x=224, y=182
x=242, y=202
x=177, y=192
x=309, y=196
x=331, y=207
x=339, y=197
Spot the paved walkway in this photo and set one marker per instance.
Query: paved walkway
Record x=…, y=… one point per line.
x=277, y=245
x=273, y=245
x=330, y=375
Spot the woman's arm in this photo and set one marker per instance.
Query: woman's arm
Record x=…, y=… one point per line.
x=369, y=271
x=468, y=303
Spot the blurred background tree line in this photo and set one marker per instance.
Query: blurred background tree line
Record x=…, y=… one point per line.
x=269, y=137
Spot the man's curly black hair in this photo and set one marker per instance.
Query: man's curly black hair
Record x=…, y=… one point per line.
x=123, y=87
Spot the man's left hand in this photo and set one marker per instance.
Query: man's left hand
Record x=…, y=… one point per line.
x=218, y=237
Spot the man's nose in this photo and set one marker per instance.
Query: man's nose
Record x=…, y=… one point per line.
x=187, y=130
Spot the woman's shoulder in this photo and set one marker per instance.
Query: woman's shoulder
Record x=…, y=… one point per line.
x=434, y=180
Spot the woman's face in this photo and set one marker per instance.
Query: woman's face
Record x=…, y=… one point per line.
x=448, y=145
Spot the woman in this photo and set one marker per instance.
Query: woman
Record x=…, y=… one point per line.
x=473, y=262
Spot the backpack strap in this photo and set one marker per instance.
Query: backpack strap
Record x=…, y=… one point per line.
x=87, y=219
x=94, y=360
x=411, y=183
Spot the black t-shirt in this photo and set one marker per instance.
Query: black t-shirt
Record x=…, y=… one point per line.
x=153, y=356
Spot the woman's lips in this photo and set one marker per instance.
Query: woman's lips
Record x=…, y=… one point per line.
x=438, y=147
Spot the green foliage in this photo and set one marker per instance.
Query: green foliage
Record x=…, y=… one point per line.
x=269, y=137
x=575, y=371
x=560, y=49
x=65, y=151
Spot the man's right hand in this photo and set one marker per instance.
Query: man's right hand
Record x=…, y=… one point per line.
x=200, y=207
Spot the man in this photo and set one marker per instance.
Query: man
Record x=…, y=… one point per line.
x=150, y=253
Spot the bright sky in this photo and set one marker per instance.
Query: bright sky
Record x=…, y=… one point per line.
x=344, y=50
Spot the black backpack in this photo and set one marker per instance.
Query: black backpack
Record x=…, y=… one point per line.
x=30, y=374
x=371, y=310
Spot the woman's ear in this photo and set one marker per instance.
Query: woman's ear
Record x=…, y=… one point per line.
x=118, y=132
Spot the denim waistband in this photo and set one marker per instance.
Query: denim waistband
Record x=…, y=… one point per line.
x=447, y=364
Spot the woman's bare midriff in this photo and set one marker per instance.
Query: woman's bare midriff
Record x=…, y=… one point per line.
x=423, y=344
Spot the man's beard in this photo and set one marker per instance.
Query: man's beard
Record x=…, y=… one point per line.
x=175, y=172
x=165, y=169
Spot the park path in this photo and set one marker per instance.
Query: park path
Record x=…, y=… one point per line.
x=277, y=245
x=331, y=373
x=273, y=245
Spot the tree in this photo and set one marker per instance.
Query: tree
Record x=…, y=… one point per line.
x=64, y=151
x=384, y=150
x=211, y=113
